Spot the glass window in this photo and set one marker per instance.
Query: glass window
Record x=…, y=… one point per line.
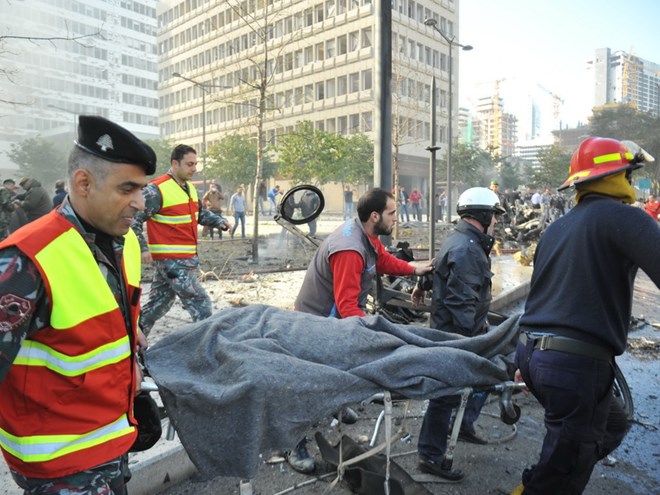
x=367, y=80
x=354, y=82
x=342, y=125
x=330, y=125
x=353, y=41
x=354, y=123
x=342, y=46
x=330, y=88
x=341, y=85
x=367, y=121
x=366, y=37
x=330, y=48
x=319, y=51
x=320, y=91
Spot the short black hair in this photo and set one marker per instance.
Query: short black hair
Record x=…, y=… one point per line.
x=9, y=181
x=180, y=151
x=373, y=200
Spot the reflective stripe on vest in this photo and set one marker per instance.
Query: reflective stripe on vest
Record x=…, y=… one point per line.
x=172, y=249
x=173, y=219
x=37, y=354
x=40, y=448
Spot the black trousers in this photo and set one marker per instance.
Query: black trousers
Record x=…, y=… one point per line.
x=583, y=422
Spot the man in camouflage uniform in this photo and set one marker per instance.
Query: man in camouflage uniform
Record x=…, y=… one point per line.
x=83, y=448
x=172, y=212
x=6, y=209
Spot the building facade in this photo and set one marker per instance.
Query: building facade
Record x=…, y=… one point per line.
x=620, y=77
x=318, y=59
x=73, y=57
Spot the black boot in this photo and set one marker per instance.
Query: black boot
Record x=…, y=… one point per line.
x=299, y=459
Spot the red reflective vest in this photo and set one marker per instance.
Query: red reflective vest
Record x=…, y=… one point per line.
x=67, y=400
x=172, y=232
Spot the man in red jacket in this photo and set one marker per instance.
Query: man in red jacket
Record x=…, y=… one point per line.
x=342, y=273
x=652, y=207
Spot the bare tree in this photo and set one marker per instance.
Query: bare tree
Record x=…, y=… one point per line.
x=5, y=48
x=262, y=66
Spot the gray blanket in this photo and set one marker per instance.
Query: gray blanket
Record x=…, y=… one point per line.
x=249, y=380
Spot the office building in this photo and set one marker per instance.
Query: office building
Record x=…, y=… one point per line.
x=624, y=78
x=319, y=62
x=100, y=59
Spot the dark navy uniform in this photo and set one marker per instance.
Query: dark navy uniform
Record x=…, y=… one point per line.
x=576, y=320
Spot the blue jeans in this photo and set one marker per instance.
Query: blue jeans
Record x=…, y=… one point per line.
x=403, y=210
x=239, y=216
x=435, y=428
x=272, y=205
x=348, y=210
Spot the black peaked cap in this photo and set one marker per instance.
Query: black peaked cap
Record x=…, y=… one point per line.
x=105, y=139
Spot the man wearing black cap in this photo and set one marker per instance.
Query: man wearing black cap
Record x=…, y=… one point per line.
x=69, y=304
x=172, y=212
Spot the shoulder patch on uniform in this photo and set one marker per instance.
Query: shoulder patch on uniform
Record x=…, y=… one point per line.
x=14, y=310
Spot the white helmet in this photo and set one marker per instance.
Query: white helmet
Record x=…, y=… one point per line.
x=478, y=198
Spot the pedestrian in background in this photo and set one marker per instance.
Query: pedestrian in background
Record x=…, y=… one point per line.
x=403, y=204
x=348, y=202
x=60, y=193
x=652, y=207
x=272, y=199
x=172, y=212
x=262, y=192
x=70, y=285
x=35, y=201
x=237, y=206
x=212, y=201
x=416, y=204
x=577, y=314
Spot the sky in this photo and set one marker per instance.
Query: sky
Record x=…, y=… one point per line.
x=549, y=42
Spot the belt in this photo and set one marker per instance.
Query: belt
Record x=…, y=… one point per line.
x=566, y=344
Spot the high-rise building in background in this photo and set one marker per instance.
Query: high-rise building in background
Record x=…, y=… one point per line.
x=78, y=57
x=622, y=77
x=320, y=61
x=493, y=127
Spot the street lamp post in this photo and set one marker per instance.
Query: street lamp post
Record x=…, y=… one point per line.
x=451, y=42
x=204, y=87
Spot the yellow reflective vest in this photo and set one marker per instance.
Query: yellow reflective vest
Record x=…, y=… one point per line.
x=172, y=231
x=67, y=401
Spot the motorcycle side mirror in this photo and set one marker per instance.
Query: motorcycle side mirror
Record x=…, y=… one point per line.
x=302, y=204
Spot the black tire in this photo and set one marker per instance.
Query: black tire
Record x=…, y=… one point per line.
x=622, y=393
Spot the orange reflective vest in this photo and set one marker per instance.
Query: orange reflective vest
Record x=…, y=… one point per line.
x=172, y=231
x=67, y=401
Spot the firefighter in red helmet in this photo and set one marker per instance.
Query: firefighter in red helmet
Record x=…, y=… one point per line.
x=577, y=314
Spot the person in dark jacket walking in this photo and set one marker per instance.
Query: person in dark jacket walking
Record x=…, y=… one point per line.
x=578, y=312
x=35, y=200
x=60, y=193
x=460, y=303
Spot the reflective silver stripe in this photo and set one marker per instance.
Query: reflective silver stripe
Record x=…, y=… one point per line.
x=38, y=448
x=37, y=354
x=172, y=249
x=172, y=219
